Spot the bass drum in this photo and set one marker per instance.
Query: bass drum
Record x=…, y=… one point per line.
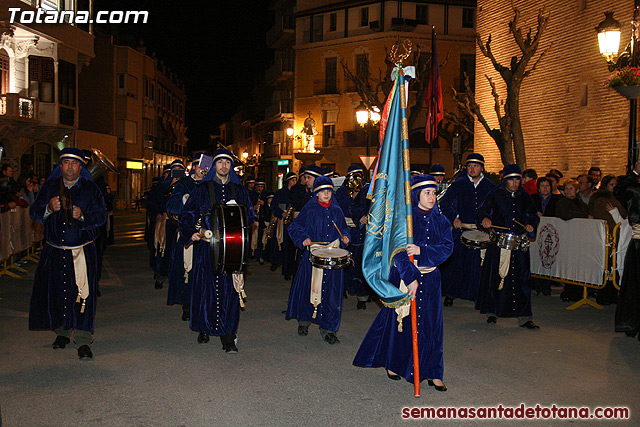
x=230, y=241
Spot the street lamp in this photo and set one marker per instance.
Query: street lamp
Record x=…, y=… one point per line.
x=609, y=42
x=368, y=119
x=245, y=155
x=289, y=132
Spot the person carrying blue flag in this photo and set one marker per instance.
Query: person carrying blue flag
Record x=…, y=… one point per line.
x=388, y=342
x=71, y=208
x=320, y=224
x=215, y=301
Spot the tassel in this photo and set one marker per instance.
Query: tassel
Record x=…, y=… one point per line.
x=186, y=277
x=78, y=299
x=315, y=308
x=501, y=284
x=244, y=296
x=241, y=301
x=84, y=301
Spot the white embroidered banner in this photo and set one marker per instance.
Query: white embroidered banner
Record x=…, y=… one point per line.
x=623, y=244
x=573, y=250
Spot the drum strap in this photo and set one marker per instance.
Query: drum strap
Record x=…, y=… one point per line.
x=316, y=277
x=635, y=231
x=212, y=193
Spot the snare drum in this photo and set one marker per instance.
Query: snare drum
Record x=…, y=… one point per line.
x=475, y=239
x=330, y=258
x=509, y=241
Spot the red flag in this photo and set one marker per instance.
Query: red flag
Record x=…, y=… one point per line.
x=435, y=107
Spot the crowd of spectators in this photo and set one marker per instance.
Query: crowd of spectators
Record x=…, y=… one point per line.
x=588, y=195
x=18, y=193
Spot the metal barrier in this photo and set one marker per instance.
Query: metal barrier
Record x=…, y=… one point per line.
x=18, y=234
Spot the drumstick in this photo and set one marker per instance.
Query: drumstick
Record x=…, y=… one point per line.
x=521, y=225
x=207, y=234
x=318, y=243
x=502, y=228
x=341, y=236
x=468, y=227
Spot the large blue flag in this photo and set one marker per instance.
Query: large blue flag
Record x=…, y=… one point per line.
x=387, y=227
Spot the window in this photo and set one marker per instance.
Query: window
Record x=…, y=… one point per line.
x=41, y=76
x=128, y=131
x=317, y=34
x=132, y=86
x=67, y=83
x=422, y=14
x=4, y=72
x=468, y=17
x=328, y=135
x=362, y=65
x=468, y=65
x=331, y=75
x=364, y=17
x=333, y=22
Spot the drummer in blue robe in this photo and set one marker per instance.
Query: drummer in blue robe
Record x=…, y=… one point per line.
x=461, y=273
x=179, y=277
x=320, y=224
x=281, y=243
x=165, y=248
x=215, y=299
x=355, y=209
x=389, y=344
x=263, y=251
x=72, y=210
x=258, y=203
x=504, y=287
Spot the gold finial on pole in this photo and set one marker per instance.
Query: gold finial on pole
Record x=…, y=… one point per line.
x=397, y=56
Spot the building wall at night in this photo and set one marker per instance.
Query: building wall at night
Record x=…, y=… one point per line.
x=39, y=66
x=128, y=94
x=570, y=120
x=330, y=32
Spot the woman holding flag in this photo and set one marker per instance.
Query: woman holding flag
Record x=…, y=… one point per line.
x=388, y=342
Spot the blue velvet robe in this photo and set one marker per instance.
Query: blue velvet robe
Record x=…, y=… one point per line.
x=300, y=196
x=384, y=346
x=355, y=208
x=514, y=299
x=215, y=307
x=53, y=299
x=155, y=206
x=281, y=201
x=315, y=223
x=461, y=273
x=179, y=292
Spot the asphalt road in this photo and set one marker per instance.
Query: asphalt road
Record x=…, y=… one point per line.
x=148, y=369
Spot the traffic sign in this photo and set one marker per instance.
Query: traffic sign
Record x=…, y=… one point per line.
x=368, y=161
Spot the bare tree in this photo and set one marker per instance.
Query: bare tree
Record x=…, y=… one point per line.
x=508, y=137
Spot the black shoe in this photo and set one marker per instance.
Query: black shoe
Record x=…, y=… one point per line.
x=394, y=377
x=630, y=334
x=331, y=338
x=231, y=348
x=84, y=352
x=492, y=319
x=530, y=325
x=361, y=305
x=60, y=342
x=437, y=387
x=303, y=330
x=273, y=267
x=186, y=315
x=203, y=338
x=158, y=285
x=287, y=277
x=448, y=301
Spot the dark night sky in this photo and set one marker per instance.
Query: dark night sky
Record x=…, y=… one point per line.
x=216, y=47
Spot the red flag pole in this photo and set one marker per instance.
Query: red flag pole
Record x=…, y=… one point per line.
x=407, y=195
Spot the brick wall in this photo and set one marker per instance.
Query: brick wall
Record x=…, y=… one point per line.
x=570, y=120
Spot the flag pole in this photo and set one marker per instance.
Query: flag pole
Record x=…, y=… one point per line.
x=408, y=209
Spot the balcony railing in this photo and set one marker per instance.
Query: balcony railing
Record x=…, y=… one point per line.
x=12, y=105
x=276, y=151
x=282, y=69
x=284, y=106
x=284, y=25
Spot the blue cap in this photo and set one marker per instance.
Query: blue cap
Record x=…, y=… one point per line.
x=437, y=169
x=419, y=183
x=512, y=171
x=289, y=176
x=250, y=179
x=313, y=170
x=322, y=183
x=72, y=153
x=260, y=180
x=266, y=195
x=177, y=164
x=475, y=158
x=354, y=168
x=327, y=171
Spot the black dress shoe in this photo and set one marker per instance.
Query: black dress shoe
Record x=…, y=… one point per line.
x=84, y=352
x=186, y=315
x=492, y=319
x=303, y=330
x=448, y=301
x=273, y=267
x=203, y=338
x=361, y=305
x=331, y=338
x=158, y=285
x=60, y=342
x=530, y=325
x=437, y=387
x=287, y=277
x=394, y=377
x=231, y=348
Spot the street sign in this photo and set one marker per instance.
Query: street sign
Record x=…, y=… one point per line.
x=283, y=162
x=368, y=161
